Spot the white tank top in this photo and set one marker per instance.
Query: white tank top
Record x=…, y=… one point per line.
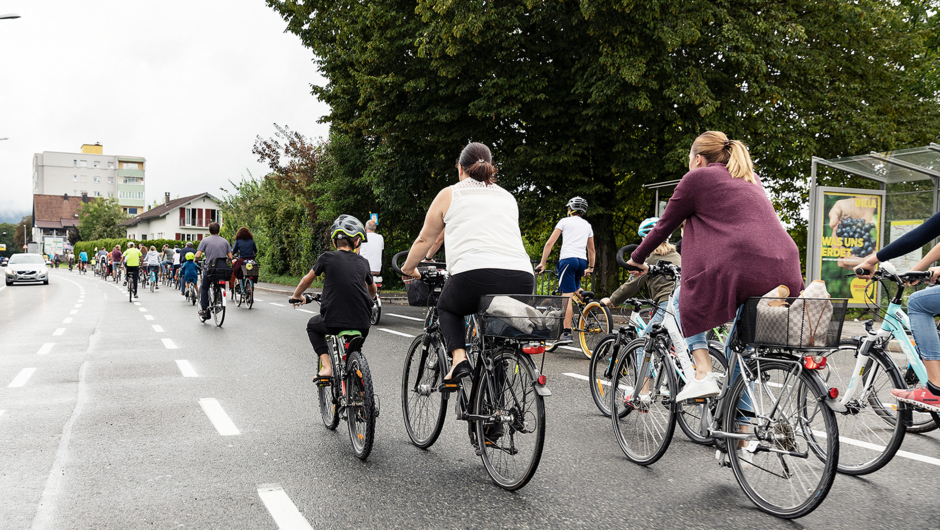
x=481, y=229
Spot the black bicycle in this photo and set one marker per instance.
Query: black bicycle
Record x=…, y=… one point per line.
x=503, y=399
x=349, y=393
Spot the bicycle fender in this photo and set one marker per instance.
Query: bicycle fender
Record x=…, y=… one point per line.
x=541, y=390
x=834, y=404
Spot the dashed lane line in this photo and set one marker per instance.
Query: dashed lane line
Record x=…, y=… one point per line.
x=405, y=316
x=142, y=309
x=393, y=332
x=218, y=417
x=169, y=344
x=67, y=321
x=22, y=378
x=73, y=312
x=186, y=369
x=307, y=311
x=282, y=509
x=148, y=317
x=46, y=348
x=158, y=328
x=58, y=331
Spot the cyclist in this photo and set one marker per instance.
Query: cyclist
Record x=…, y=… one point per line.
x=484, y=253
x=189, y=272
x=727, y=215
x=372, y=249
x=346, y=301
x=102, y=260
x=82, y=260
x=176, y=261
x=245, y=249
x=577, y=253
x=132, y=258
x=71, y=261
x=152, y=262
x=116, y=257
x=213, y=247
x=921, y=308
x=167, y=254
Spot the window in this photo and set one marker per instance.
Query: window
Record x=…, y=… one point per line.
x=110, y=194
x=159, y=235
x=110, y=180
x=75, y=163
x=97, y=194
x=143, y=237
x=74, y=178
x=132, y=211
x=97, y=180
x=139, y=195
x=130, y=165
x=83, y=163
x=110, y=165
x=97, y=163
x=133, y=180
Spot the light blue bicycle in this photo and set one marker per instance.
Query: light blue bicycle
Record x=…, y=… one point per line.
x=863, y=370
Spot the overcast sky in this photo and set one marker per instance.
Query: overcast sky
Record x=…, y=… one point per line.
x=185, y=84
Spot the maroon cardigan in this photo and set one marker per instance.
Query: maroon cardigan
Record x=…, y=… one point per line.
x=733, y=247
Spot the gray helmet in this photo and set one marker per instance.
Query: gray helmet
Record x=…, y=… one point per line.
x=348, y=227
x=577, y=204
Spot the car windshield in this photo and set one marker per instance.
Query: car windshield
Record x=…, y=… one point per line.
x=19, y=259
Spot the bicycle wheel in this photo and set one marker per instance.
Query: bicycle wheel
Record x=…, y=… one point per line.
x=870, y=428
x=328, y=395
x=423, y=405
x=249, y=293
x=787, y=465
x=239, y=297
x=511, y=437
x=376, y=311
x=594, y=324
x=217, y=306
x=689, y=416
x=360, y=405
x=602, y=366
x=641, y=402
x=153, y=282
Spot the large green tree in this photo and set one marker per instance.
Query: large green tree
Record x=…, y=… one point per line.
x=7, y=231
x=98, y=219
x=23, y=232
x=597, y=97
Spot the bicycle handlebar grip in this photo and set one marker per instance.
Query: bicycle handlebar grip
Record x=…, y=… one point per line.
x=395, y=258
x=859, y=271
x=293, y=301
x=623, y=262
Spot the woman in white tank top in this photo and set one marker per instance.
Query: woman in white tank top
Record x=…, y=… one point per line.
x=484, y=250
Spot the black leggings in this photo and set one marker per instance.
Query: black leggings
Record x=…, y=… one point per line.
x=317, y=332
x=461, y=297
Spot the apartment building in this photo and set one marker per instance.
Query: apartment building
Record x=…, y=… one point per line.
x=90, y=172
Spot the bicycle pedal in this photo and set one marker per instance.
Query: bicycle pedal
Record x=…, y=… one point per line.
x=449, y=387
x=323, y=381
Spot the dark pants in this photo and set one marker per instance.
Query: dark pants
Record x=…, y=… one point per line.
x=204, y=292
x=132, y=276
x=317, y=332
x=461, y=297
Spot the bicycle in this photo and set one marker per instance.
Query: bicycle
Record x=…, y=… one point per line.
x=594, y=320
x=118, y=271
x=191, y=293
x=376, y=315
x=349, y=394
x=773, y=421
x=130, y=285
x=152, y=277
x=217, y=276
x=876, y=418
x=245, y=288
x=502, y=400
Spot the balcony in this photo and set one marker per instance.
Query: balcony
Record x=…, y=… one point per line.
x=130, y=173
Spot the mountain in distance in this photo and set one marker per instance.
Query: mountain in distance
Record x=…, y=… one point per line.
x=12, y=217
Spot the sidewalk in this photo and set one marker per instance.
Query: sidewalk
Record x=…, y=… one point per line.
x=390, y=297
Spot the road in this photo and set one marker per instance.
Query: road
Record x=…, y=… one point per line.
x=121, y=415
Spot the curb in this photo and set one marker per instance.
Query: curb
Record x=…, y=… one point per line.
x=287, y=291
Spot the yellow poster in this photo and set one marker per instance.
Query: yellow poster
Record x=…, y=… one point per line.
x=851, y=230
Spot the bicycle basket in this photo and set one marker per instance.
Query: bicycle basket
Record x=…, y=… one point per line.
x=803, y=323
x=250, y=269
x=221, y=271
x=523, y=317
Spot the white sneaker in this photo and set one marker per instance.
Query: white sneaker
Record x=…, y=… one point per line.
x=746, y=455
x=645, y=398
x=699, y=388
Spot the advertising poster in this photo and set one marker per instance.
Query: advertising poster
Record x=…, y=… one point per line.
x=850, y=231
x=906, y=262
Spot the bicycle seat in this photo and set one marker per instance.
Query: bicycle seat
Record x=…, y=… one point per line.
x=587, y=295
x=352, y=338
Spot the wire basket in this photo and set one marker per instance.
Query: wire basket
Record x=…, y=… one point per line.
x=250, y=269
x=798, y=323
x=523, y=317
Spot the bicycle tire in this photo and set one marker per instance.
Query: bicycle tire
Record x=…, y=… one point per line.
x=600, y=370
x=873, y=419
x=689, y=414
x=153, y=282
x=249, y=293
x=328, y=396
x=594, y=323
x=643, y=428
x=770, y=480
x=509, y=394
x=376, y=315
x=423, y=405
x=217, y=306
x=238, y=296
x=360, y=405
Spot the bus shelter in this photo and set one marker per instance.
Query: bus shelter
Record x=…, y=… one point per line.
x=889, y=194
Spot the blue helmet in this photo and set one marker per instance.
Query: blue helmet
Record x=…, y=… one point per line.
x=647, y=226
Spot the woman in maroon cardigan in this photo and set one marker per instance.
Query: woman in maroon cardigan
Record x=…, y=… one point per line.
x=733, y=247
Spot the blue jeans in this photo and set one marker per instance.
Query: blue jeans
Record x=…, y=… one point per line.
x=921, y=308
x=699, y=341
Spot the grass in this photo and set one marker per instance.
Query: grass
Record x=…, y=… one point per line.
x=286, y=279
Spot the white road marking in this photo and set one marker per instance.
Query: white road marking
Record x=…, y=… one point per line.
x=157, y=328
x=148, y=317
x=258, y=300
x=572, y=348
x=21, y=379
x=136, y=303
x=218, y=417
x=77, y=306
x=1, y=412
x=393, y=332
x=578, y=376
x=67, y=321
x=279, y=305
x=879, y=448
x=73, y=312
x=59, y=331
x=404, y=316
x=282, y=509
x=307, y=311
x=186, y=369
x=143, y=309
x=46, y=348
x=169, y=344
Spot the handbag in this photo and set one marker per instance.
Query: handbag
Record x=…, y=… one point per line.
x=418, y=293
x=811, y=316
x=772, y=321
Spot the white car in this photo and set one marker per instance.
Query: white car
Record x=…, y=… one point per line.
x=26, y=268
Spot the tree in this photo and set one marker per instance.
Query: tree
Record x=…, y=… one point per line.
x=7, y=231
x=597, y=97
x=23, y=232
x=98, y=219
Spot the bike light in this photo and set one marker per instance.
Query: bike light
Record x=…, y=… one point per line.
x=833, y=393
x=543, y=380
x=814, y=362
x=533, y=349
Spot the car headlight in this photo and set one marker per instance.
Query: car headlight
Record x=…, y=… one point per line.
x=43, y=270
x=10, y=271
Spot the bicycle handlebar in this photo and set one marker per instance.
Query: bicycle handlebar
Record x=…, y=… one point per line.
x=431, y=269
x=308, y=298
x=900, y=279
x=623, y=262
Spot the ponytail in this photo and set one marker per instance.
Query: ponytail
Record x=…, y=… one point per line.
x=715, y=147
x=477, y=163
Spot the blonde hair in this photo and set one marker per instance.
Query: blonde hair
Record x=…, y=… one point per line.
x=715, y=147
x=664, y=248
